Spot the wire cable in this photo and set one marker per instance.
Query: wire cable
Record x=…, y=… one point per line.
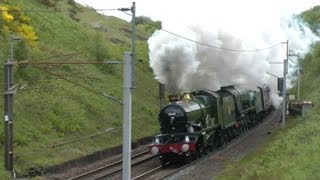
x=37, y=76
x=57, y=56
x=175, y=34
x=224, y=49
x=212, y=46
x=57, y=11
x=77, y=84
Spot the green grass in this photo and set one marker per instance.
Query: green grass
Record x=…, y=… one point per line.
x=292, y=153
x=50, y=110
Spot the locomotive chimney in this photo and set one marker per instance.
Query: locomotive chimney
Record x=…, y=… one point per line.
x=173, y=97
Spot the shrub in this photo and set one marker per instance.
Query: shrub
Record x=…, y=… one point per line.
x=14, y=22
x=150, y=25
x=48, y=3
x=71, y=2
x=73, y=13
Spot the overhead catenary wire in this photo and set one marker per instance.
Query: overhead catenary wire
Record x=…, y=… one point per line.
x=213, y=46
x=172, y=33
x=224, y=49
x=77, y=84
x=58, y=62
x=81, y=76
x=175, y=34
x=58, y=11
x=37, y=76
x=57, y=56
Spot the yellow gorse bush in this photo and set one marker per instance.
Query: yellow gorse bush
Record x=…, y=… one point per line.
x=15, y=22
x=27, y=33
x=5, y=15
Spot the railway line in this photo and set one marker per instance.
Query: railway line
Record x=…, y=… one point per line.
x=146, y=166
x=113, y=168
x=169, y=171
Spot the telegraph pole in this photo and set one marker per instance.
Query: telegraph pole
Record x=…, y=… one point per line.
x=127, y=98
x=8, y=109
x=298, y=83
x=133, y=37
x=129, y=85
x=133, y=43
x=284, y=95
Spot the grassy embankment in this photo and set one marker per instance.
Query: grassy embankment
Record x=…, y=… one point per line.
x=50, y=110
x=292, y=153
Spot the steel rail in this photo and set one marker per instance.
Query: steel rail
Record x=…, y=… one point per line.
x=218, y=151
x=103, y=168
x=147, y=173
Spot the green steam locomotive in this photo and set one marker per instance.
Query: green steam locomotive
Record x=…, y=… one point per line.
x=200, y=121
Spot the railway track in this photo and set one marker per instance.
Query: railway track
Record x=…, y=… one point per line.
x=156, y=171
x=160, y=172
x=146, y=174
x=114, y=168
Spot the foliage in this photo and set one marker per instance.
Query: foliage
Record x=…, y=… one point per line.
x=73, y=14
x=293, y=152
x=58, y=103
x=149, y=24
x=71, y=2
x=4, y=174
x=14, y=22
x=73, y=10
x=291, y=155
x=312, y=17
x=21, y=51
x=48, y=3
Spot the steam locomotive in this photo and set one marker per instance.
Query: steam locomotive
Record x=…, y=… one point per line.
x=200, y=121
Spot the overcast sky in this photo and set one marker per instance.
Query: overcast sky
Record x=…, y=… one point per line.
x=170, y=10
x=242, y=18
x=234, y=24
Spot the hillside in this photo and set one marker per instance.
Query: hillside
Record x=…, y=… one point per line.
x=293, y=153
x=54, y=104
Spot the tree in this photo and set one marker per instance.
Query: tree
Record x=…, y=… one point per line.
x=312, y=17
x=150, y=25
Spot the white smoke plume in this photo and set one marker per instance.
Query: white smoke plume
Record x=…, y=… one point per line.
x=183, y=65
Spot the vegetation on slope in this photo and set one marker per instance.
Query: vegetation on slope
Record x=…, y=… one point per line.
x=292, y=153
x=49, y=110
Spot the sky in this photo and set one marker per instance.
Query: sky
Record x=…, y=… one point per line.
x=229, y=24
x=245, y=19
x=169, y=10
x=242, y=18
